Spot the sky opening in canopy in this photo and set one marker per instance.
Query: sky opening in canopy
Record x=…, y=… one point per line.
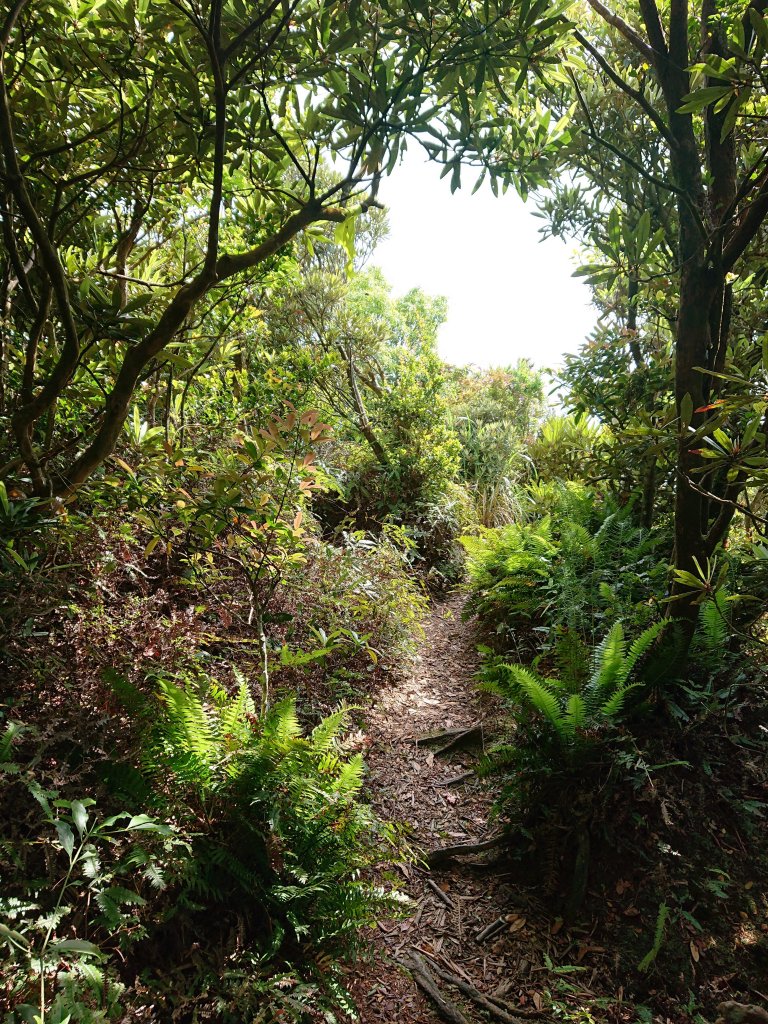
x=510, y=294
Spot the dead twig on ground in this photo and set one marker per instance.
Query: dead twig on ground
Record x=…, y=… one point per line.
x=437, y=735
x=425, y=981
x=491, y=929
x=440, y=894
x=498, y=1009
x=456, y=779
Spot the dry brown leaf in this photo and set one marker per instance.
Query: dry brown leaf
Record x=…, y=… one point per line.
x=516, y=926
x=695, y=954
x=557, y=924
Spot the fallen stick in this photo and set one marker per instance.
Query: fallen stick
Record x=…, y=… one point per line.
x=456, y=779
x=423, y=978
x=493, y=1006
x=440, y=734
x=444, y=853
x=440, y=894
x=491, y=929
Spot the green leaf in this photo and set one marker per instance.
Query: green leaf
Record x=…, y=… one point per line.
x=80, y=817
x=13, y=936
x=760, y=26
x=686, y=411
x=697, y=101
x=66, y=837
x=75, y=946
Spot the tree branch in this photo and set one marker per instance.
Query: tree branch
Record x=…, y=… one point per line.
x=635, y=94
x=626, y=30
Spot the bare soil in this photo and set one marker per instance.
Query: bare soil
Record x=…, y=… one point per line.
x=452, y=904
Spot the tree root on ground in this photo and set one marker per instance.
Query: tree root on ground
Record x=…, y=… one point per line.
x=444, y=853
x=422, y=975
x=497, y=1008
x=457, y=738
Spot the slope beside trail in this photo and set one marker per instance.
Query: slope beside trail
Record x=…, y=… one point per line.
x=443, y=804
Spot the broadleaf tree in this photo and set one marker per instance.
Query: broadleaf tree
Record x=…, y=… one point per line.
x=665, y=177
x=158, y=154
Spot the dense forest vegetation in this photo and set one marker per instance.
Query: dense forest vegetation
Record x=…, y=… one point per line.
x=236, y=475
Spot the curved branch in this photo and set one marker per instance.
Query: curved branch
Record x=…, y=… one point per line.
x=626, y=30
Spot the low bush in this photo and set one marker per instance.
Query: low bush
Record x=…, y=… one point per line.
x=578, y=565
x=363, y=582
x=259, y=841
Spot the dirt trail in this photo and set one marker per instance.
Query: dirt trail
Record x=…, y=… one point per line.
x=412, y=783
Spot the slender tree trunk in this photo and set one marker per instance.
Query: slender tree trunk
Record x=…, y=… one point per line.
x=363, y=423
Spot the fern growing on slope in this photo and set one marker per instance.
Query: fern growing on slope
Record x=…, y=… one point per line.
x=573, y=715
x=278, y=838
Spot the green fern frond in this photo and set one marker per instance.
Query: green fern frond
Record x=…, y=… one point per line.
x=542, y=698
x=282, y=724
x=608, y=659
x=640, y=646
x=132, y=699
x=12, y=730
x=350, y=777
x=190, y=729
x=613, y=707
x=499, y=758
x=713, y=629
x=233, y=720
x=575, y=715
x=325, y=734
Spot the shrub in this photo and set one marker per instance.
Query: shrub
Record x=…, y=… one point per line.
x=362, y=582
x=266, y=854
x=578, y=567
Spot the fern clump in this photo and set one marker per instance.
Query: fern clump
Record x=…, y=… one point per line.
x=573, y=713
x=576, y=568
x=277, y=838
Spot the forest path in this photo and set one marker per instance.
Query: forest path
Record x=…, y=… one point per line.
x=412, y=783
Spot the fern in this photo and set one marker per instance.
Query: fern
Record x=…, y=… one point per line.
x=575, y=714
x=286, y=838
x=640, y=647
x=608, y=660
x=576, y=718
x=713, y=631
x=614, y=706
x=12, y=730
x=658, y=938
x=325, y=734
x=541, y=698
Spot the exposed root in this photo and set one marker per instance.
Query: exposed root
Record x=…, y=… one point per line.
x=422, y=976
x=446, y=853
x=495, y=1007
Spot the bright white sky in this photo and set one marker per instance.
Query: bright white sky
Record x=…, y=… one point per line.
x=510, y=295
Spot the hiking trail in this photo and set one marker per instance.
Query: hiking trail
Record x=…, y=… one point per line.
x=467, y=920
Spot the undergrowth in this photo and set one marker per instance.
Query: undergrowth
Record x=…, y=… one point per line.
x=263, y=845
